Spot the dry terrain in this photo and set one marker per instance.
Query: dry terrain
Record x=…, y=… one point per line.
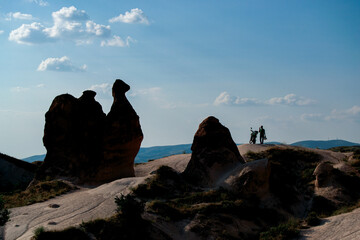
x=90, y=203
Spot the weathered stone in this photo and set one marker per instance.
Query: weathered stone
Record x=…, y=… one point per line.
x=122, y=138
x=324, y=174
x=250, y=179
x=14, y=173
x=85, y=145
x=213, y=153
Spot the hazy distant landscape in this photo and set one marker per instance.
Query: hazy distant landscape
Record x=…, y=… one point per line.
x=151, y=153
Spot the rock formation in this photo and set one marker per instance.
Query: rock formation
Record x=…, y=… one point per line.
x=251, y=179
x=213, y=153
x=14, y=173
x=83, y=144
x=122, y=138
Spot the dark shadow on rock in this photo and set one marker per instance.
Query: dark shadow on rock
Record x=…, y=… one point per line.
x=213, y=153
x=86, y=146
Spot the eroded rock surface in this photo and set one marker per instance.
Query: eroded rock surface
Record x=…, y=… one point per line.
x=213, y=153
x=85, y=145
x=122, y=138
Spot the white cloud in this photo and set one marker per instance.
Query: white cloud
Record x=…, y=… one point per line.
x=153, y=92
x=247, y=101
x=18, y=15
x=291, y=99
x=355, y=110
x=19, y=89
x=312, y=117
x=1, y=32
x=41, y=85
x=62, y=64
x=135, y=15
x=29, y=34
x=104, y=88
x=116, y=41
x=223, y=98
x=69, y=24
x=350, y=114
x=41, y=3
x=98, y=29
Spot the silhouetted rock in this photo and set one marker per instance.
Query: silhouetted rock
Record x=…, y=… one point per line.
x=14, y=173
x=85, y=145
x=122, y=138
x=213, y=153
x=73, y=137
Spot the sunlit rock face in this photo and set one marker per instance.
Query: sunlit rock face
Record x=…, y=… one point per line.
x=213, y=153
x=85, y=145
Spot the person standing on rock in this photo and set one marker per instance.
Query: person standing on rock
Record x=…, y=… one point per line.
x=253, y=136
x=262, y=134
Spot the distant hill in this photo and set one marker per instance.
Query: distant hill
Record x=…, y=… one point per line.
x=150, y=153
x=34, y=158
x=144, y=155
x=324, y=144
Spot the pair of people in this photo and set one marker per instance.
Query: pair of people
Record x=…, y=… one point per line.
x=254, y=134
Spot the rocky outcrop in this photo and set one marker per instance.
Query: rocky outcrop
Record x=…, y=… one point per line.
x=213, y=153
x=250, y=179
x=85, y=145
x=14, y=173
x=73, y=137
x=338, y=187
x=122, y=138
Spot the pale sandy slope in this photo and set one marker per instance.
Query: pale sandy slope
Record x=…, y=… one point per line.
x=87, y=204
x=82, y=205
x=342, y=227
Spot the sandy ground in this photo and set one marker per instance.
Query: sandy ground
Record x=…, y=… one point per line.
x=82, y=205
x=341, y=227
x=92, y=203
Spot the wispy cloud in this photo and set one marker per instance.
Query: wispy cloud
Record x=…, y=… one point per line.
x=312, y=117
x=19, y=89
x=105, y=88
x=41, y=3
x=18, y=15
x=152, y=92
x=69, y=24
x=62, y=64
x=352, y=113
x=290, y=99
x=1, y=32
x=154, y=95
x=135, y=15
x=117, y=41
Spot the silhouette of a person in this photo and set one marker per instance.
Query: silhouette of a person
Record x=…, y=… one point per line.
x=262, y=134
x=253, y=136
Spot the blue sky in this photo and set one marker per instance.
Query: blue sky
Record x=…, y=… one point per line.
x=292, y=66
